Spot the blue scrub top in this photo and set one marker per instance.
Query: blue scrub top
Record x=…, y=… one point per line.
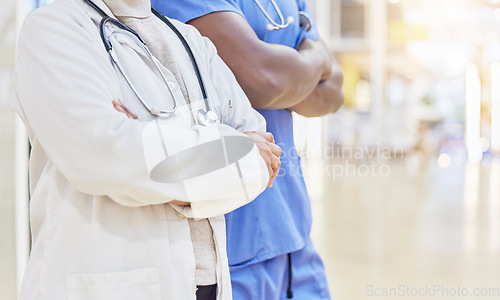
x=279, y=220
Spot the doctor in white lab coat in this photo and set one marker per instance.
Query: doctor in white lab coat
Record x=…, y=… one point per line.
x=112, y=196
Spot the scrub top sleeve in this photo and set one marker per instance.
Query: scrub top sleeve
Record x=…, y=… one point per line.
x=187, y=10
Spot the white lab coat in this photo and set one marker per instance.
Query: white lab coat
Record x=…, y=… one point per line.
x=101, y=227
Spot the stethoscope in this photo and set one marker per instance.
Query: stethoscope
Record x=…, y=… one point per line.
x=304, y=18
x=205, y=117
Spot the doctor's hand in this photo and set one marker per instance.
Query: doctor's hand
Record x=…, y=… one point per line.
x=269, y=151
x=119, y=106
x=181, y=203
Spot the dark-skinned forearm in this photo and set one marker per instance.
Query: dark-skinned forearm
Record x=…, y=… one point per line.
x=273, y=76
x=327, y=98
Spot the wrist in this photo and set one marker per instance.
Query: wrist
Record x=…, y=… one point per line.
x=317, y=56
x=314, y=60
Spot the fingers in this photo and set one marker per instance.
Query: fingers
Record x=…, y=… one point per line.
x=129, y=113
x=275, y=166
x=119, y=106
x=271, y=173
x=274, y=163
x=273, y=169
x=269, y=151
x=268, y=160
x=275, y=160
x=267, y=136
x=263, y=134
x=181, y=203
x=276, y=150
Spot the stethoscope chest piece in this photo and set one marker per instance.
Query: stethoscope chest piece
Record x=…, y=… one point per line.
x=273, y=25
x=206, y=118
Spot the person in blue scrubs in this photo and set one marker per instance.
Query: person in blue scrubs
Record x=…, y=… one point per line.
x=269, y=248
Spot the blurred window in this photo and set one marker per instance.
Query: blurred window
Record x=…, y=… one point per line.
x=353, y=19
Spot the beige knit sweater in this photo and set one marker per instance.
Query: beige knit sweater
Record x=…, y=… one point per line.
x=137, y=15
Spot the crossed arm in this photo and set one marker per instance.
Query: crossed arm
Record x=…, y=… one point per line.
x=326, y=98
x=307, y=80
x=264, y=141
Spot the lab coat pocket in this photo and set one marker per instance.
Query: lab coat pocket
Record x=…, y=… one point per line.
x=225, y=110
x=135, y=284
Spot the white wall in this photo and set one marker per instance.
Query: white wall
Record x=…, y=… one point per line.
x=13, y=176
x=7, y=209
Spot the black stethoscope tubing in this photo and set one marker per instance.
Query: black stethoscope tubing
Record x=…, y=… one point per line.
x=189, y=51
x=106, y=18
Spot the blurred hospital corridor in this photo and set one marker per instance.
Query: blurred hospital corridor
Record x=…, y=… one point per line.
x=433, y=231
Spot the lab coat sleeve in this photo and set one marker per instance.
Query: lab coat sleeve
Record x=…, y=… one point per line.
x=65, y=85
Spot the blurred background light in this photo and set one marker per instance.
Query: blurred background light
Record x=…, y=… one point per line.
x=473, y=114
x=444, y=160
